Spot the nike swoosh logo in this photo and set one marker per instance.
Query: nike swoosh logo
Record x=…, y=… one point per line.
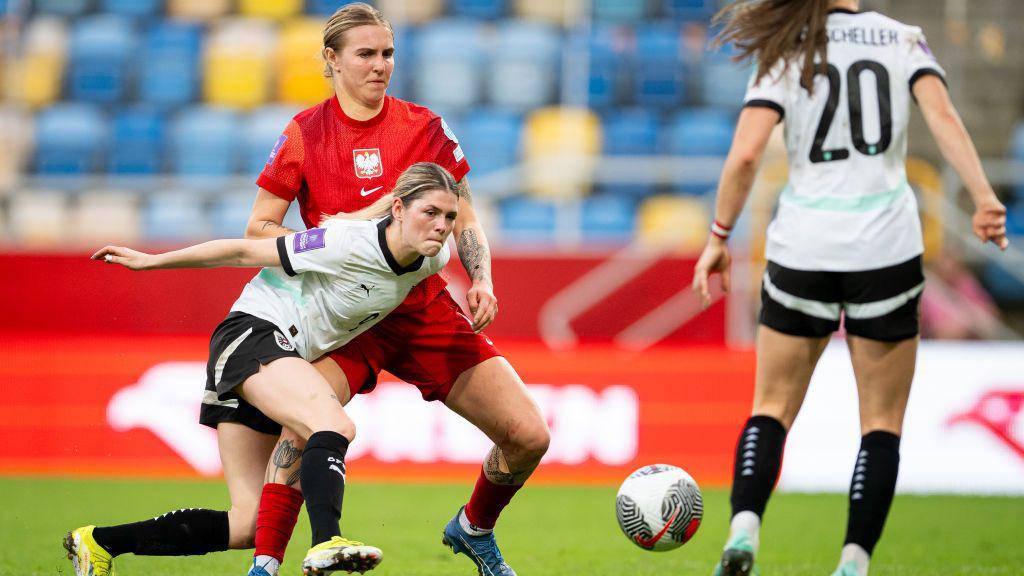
x=365, y=192
x=645, y=543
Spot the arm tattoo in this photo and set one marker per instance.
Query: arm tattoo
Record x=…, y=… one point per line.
x=473, y=255
x=497, y=470
x=285, y=455
x=271, y=227
x=464, y=190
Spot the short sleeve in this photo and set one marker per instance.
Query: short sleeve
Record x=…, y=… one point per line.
x=321, y=250
x=920, y=61
x=769, y=92
x=282, y=175
x=445, y=149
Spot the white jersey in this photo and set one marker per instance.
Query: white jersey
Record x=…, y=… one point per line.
x=847, y=205
x=334, y=283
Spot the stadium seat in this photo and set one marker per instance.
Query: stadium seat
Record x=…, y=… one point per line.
x=300, y=67
x=619, y=10
x=405, y=12
x=198, y=9
x=631, y=132
x=229, y=214
x=204, y=142
x=563, y=13
x=524, y=69
x=674, y=221
x=262, y=129
x=607, y=69
x=405, y=62
x=325, y=7
x=608, y=218
x=237, y=63
x=449, y=57
x=102, y=216
x=479, y=9
x=1004, y=286
x=723, y=82
x=38, y=217
x=40, y=67
x=700, y=132
x=490, y=139
x=1015, y=217
x=70, y=139
x=102, y=55
x=1017, y=154
x=67, y=8
x=171, y=72
x=559, y=147
x=137, y=141
x=136, y=8
x=694, y=10
x=16, y=125
x=171, y=215
x=270, y=9
x=527, y=220
x=659, y=79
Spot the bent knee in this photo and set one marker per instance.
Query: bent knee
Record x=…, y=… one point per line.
x=528, y=442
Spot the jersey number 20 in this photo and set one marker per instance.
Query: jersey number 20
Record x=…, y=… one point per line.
x=853, y=98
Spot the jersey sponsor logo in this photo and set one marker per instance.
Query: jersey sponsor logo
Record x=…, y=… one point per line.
x=367, y=162
x=277, y=148
x=283, y=342
x=309, y=240
x=364, y=192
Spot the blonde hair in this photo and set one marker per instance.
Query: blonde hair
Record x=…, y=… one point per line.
x=346, y=18
x=416, y=181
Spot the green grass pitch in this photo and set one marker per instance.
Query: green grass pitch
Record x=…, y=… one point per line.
x=548, y=530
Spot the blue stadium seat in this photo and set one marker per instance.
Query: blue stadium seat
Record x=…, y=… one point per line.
x=70, y=139
x=171, y=71
x=1015, y=217
x=608, y=71
x=490, y=139
x=138, y=141
x=401, y=85
x=102, y=51
x=449, y=57
x=660, y=80
x=262, y=130
x=137, y=8
x=478, y=9
x=723, y=82
x=1017, y=143
x=62, y=7
x=619, y=10
x=608, y=218
x=204, y=142
x=325, y=7
x=526, y=220
x=229, y=214
x=174, y=215
x=1004, y=287
x=524, y=70
x=631, y=132
x=693, y=10
x=700, y=132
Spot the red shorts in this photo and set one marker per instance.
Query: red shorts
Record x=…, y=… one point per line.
x=429, y=348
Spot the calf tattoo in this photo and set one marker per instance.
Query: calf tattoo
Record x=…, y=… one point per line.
x=497, y=470
x=285, y=456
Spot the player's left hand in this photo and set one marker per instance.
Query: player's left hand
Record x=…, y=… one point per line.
x=483, y=304
x=989, y=223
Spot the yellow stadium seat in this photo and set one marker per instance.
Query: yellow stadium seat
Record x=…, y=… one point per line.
x=406, y=12
x=38, y=218
x=559, y=148
x=105, y=216
x=34, y=78
x=673, y=221
x=561, y=12
x=237, y=64
x=273, y=9
x=300, y=66
x=198, y=9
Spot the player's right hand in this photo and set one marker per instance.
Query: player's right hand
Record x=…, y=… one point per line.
x=714, y=258
x=130, y=259
x=989, y=223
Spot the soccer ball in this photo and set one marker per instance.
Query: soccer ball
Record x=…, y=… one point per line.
x=659, y=507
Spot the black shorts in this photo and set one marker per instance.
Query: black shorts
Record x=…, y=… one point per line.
x=880, y=304
x=239, y=346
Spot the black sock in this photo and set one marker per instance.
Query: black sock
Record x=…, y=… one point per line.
x=757, y=464
x=179, y=533
x=322, y=476
x=872, y=488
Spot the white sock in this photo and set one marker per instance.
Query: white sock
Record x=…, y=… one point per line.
x=748, y=522
x=470, y=528
x=854, y=553
x=268, y=563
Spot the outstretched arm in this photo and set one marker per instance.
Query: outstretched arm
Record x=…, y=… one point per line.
x=234, y=253
x=475, y=254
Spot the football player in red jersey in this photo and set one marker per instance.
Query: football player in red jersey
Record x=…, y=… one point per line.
x=339, y=156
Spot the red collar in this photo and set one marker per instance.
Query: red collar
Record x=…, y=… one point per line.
x=336, y=106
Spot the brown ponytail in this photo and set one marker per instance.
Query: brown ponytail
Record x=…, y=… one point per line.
x=771, y=30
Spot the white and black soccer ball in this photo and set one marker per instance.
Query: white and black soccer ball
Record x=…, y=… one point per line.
x=659, y=507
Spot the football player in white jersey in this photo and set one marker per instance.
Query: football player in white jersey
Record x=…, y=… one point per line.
x=317, y=291
x=845, y=241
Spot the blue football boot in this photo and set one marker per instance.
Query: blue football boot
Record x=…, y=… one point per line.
x=483, y=550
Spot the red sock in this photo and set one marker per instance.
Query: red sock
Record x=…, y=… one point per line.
x=278, y=513
x=487, y=502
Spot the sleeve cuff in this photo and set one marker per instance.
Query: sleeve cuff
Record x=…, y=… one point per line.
x=927, y=72
x=282, y=252
x=275, y=187
x=766, y=104
x=460, y=171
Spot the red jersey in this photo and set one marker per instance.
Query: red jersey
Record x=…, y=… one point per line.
x=333, y=163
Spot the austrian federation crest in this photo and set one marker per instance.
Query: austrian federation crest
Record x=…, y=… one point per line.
x=367, y=162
